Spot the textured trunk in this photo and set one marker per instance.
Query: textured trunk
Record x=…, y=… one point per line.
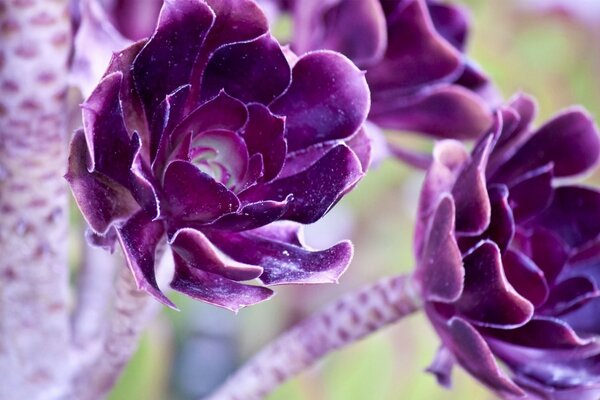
x=340, y=324
x=35, y=42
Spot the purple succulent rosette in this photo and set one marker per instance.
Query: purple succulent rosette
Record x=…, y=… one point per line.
x=206, y=134
x=509, y=256
x=413, y=52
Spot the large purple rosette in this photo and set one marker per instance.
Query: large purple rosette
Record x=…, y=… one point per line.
x=413, y=52
x=508, y=251
x=206, y=134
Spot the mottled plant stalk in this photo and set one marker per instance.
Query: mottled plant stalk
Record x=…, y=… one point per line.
x=338, y=325
x=95, y=288
x=101, y=361
x=35, y=42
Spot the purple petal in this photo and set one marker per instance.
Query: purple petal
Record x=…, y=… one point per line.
x=532, y=193
x=585, y=318
x=328, y=99
x=314, y=190
x=182, y=27
x=215, y=289
x=245, y=15
x=525, y=276
x=143, y=184
x=252, y=216
x=221, y=112
x=133, y=109
x=540, y=333
x=264, y=134
x=198, y=252
x=110, y=147
x=282, y=231
x=415, y=54
x=473, y=209
x=361, y=144
x=570, y=141
x=442, y=365
x=139, y=237
x=452, y=22
x=101, y=200
x=449, y=156
x=168, y=115
x=573, y=215
x=474, y=354
x=440, y=270
x=525, y=108
x=569, y=295
x=194, y=196
x=107, y=241
x=547, y=251
x=448, y=111
x=356, y=28
x=248, y=22
x=285, y=263
x=488, y=299
x=501, y=228
x=478, y=82
x=249, y=71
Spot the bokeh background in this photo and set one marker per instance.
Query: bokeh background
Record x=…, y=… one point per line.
x=531, y=46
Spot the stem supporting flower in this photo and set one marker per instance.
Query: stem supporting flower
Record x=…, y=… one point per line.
x=340, y=324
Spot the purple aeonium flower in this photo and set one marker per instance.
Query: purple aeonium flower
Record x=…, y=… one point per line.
x=208, y=134
x=413, y=52
x=509, y=256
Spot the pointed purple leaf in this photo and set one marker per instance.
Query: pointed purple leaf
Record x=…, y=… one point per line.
x=474, y=354
x=166, y=61
x=488, y=299
x=526, y=277
x=254, y=71
x=139, y=237
x=215, y=289
x=264, y=134
x=285, y=263
x=440, y=270
x=101, y=200
x=194, y=196
x=198, y=252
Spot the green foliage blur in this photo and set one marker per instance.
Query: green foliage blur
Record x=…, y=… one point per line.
x=555, y=59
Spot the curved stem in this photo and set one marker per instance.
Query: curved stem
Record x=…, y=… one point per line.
x=340, y=324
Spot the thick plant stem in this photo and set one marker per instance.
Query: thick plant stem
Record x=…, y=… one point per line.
x=100, y=363
x=95, y=287
x=35, y=42
x=338, y=325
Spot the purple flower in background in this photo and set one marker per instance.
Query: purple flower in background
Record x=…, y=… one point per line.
x=413, y=52
x=208, y=134
x=509, y=256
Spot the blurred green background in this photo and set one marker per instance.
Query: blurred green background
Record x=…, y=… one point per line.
x=184, y=354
